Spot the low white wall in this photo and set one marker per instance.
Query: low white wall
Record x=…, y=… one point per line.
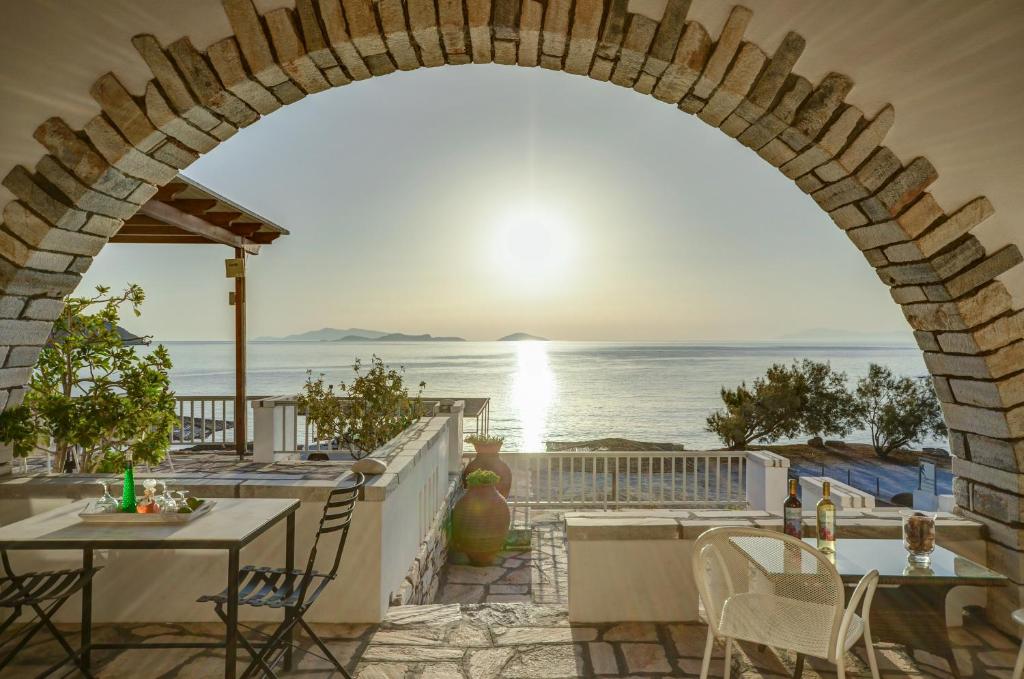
x=389, y=525
x=843, y=495
x=766, y=479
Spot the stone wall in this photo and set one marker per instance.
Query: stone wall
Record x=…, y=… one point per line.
x=423, y=579
x=948, y=285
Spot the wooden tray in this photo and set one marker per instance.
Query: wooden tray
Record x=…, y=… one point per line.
x=161, y=518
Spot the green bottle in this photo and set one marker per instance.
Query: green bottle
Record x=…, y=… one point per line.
x=128, y=491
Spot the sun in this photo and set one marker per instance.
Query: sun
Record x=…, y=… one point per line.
x=533, y=244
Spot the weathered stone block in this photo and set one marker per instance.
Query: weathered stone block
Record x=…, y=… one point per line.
x=125, y=157
x=771, y=81
x=816, y=111
x=175, y=126
x=1000, y=332
x=125, y=113
x=178, y=94
x=843, y=192
x=634, y=50
x=79, y=195
x=944, y=233
x=43, y=309
x=882, y=165
x=734, y=86
x=340, y=40
x=24, y=332
x=670, y=30
x=10, y=307
x=207, y=88
x=254, y=44
x=23, y=185
x=691, y=55
x=992, y=423
x=963, y=314
x=82, y=160
x=1004, y=393
x=38, y=234
x=725, y=49
x=875, y=235
x=869, y=139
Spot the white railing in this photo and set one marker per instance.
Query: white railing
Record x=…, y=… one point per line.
x=208, y=420
x=610, y=479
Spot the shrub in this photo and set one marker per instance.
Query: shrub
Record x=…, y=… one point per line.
x=770, y=409
x=829, y=408
x=482, y=477
x=897, y=411
x=92, y=392
x=377, y=408
x=484, y=440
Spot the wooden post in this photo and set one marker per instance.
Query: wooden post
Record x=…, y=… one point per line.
x=241, y=411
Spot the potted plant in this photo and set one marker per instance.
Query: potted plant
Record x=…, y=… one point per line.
x=480, y=519
x=487, y=448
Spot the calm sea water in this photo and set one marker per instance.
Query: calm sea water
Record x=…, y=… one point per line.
x=545, y=391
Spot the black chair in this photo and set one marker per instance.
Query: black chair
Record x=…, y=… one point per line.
x=294, y=590
x=44, y=593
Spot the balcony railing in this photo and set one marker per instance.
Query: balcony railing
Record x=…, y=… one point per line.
x=612, y=479
x=210, y=420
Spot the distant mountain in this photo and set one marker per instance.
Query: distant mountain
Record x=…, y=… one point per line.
x=523, y=337
x=399, y=337
x=325, y=335
x=841, y=335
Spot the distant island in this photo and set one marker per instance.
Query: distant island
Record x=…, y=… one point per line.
x=523, y=337
x=356, y=335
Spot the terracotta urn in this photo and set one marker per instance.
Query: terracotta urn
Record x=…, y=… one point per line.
x=487, y=458
x=480, y=522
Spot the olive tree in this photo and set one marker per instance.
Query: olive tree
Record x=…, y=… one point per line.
x=829, y=408
x=897, y=411
x=770, y=409
x=92, y=392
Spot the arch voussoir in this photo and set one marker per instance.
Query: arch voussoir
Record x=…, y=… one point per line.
x=947, y=284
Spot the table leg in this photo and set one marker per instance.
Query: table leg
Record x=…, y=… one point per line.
x=231, y=637
x=798, y=670
x=86, y=611
x=289, y=564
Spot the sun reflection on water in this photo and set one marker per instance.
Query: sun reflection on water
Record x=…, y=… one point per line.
x=533, y=392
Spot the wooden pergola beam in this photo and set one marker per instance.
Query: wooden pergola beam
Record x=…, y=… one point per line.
x=169, y=214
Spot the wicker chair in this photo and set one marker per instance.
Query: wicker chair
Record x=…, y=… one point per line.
x=294, y=590
x=1018, y=667
x=771, y=589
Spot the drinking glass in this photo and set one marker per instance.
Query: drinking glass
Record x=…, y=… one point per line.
x=107, y=502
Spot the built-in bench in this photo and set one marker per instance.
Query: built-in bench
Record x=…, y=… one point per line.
x=636, y=565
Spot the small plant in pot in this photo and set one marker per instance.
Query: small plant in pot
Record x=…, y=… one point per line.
x=480, y=519
x=487, y=448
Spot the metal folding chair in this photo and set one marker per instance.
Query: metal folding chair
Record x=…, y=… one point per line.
x=44, y=593
x=294, y=590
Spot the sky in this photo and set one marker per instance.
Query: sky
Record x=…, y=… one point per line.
x=484, y=200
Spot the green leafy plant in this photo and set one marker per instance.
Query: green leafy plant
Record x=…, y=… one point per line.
x=897, y=411
x=484, y=440
x=829, y=409
x=366, y=413
x=482, y=477
x=91, y=392
x=770, y=409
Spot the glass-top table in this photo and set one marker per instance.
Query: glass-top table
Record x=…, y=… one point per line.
x=854, y=558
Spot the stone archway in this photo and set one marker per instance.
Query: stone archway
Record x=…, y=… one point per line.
x=963, y=318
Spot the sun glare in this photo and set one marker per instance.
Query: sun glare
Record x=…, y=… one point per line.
x=533, y=245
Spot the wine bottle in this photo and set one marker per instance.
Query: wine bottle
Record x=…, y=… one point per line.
x=792, y=513
x=826, y=520
x=128, y=491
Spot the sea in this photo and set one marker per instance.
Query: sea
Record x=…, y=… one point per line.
x=547, y=391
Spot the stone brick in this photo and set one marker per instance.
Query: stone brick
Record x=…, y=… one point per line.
x=23, y=185
x=963, y=314
x=882, y=165
x=733, y=126
x=556, y=29
x=996, y=504
x=82, y=160
x=776, y=153
x=478, y=14
x=809, y=183
x=869, y=139
x=505, y=52
x=958, y=258
x=602, y=69
x=291, y=51
x=908, y=295
x=14, y=377
x=125, y=113
x=634, y=50
x=101, y=226
x=531, y=18
x=381, y=64
x=998, y=364
x=80, y=265
x=453, y=36
x=175, y=126
x=80, y=195
x=998, y=333
x=725, y=49
x=340, y=40
x=984, y=271
x=774, y=122
x=848, y=217
x=942, y=389
x=816, y=111
x=735, y=85
x=992, y=452
x=19, y=254
x=920, y=215
x=22, y=357
x=396, y=34
x=178, y=94
x=424, y=28
x=771, y=81
x=175, y=154
x=37, y=233
x=253, y=41
x=204, y=83
x=20, y=332
x=691, y=104
x=362, y=27
x=666, y=40
x=944, y=233
x=691, y=55
x=875, y=235
x=1004, y=393
x=926, y=341
x=15, y=280
x=907, y=186
x=125, y=157
x=10, y=307
x=843, y=192
x=43, y=309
